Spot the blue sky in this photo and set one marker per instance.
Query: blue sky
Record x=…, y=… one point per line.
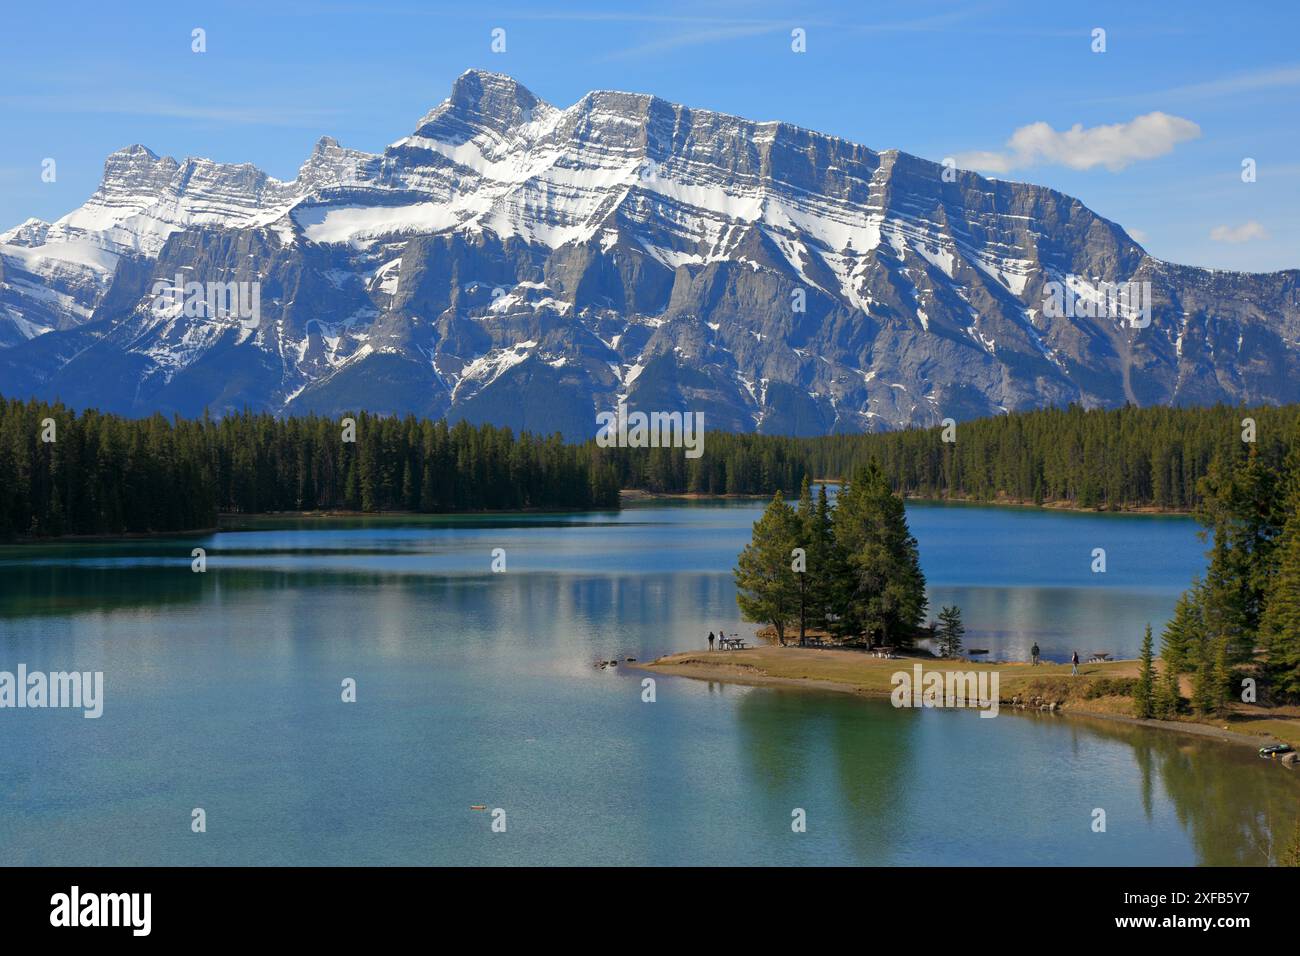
x=935, y=79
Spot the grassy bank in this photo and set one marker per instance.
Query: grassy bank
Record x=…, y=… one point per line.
x=1100, y=690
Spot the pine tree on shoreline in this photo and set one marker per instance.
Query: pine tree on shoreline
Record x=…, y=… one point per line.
x=862, y=576
x=767, y=586
x=1144, y=692
x=950, y=630
x=1280, y=623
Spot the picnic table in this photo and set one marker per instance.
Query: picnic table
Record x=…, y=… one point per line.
x=734, y=643
x=1098, y=658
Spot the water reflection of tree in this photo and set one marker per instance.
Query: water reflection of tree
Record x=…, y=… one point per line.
x=1236, y=808
x=845, y=760
x=60, y=589
x=850, y=764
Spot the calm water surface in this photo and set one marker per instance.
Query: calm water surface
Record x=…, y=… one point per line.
x=223, y=692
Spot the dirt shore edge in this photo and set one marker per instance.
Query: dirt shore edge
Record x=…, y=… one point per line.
x=748, y=674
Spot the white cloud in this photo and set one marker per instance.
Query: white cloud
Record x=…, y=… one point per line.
x=1243, y=233
x=1114, y=146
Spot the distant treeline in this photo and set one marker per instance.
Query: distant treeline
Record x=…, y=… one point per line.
x=92, y=473
x=1123, y=458
x=104, y=474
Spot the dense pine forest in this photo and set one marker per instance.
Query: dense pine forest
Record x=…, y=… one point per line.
x=63, y=473
x=1240, y=621
x=90, y=473
x=1124, y=458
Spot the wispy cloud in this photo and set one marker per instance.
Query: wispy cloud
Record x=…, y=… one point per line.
x=697, y=38
x=1270, y=78
x=1113, y=146
x=1246, y=232
x=169, y=109
x=731, y=28
x=932, y=24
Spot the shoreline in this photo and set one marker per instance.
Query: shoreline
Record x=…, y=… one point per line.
x=108, y=538
x=230, y=521
x=626, y=496
x=227, y=517
x=1066, y=506
x=864, y=676
x=641, y=494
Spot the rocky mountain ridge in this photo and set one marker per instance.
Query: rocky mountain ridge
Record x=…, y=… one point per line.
x=514, y=262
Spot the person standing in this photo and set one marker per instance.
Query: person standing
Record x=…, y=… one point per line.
x=1033, y=653
x=1074, y=664
x=710, y=640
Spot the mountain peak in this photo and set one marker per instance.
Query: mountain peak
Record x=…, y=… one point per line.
x=134, y=151
x=136, y=168
x=474, y=82
x=483, y=100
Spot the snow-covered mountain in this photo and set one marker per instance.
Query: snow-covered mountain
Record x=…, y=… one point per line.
x=513, y=262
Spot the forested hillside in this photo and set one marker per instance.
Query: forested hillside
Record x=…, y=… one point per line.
x=1128, y=457
x=104, y=474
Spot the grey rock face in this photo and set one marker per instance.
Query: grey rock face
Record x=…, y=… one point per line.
x=527, y=265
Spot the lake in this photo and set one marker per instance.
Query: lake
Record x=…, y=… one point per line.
x=222, y=692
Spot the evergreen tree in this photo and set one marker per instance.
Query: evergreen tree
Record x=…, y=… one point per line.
x=1168, y=700
x=352, y=485
x=1203, y=695
x=951, y=631
x=1184, y=632
x=1211, y=682
x=767, y=589
x=1144, y=692
x=1241, y=507
x=409, y=498
x=1221, y=676
x=827, y=568
x=886, y=599
x=1280, y=623
x=1224, y=599
x=806, y=521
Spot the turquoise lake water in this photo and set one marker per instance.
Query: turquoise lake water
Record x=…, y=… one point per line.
x=223, y=692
